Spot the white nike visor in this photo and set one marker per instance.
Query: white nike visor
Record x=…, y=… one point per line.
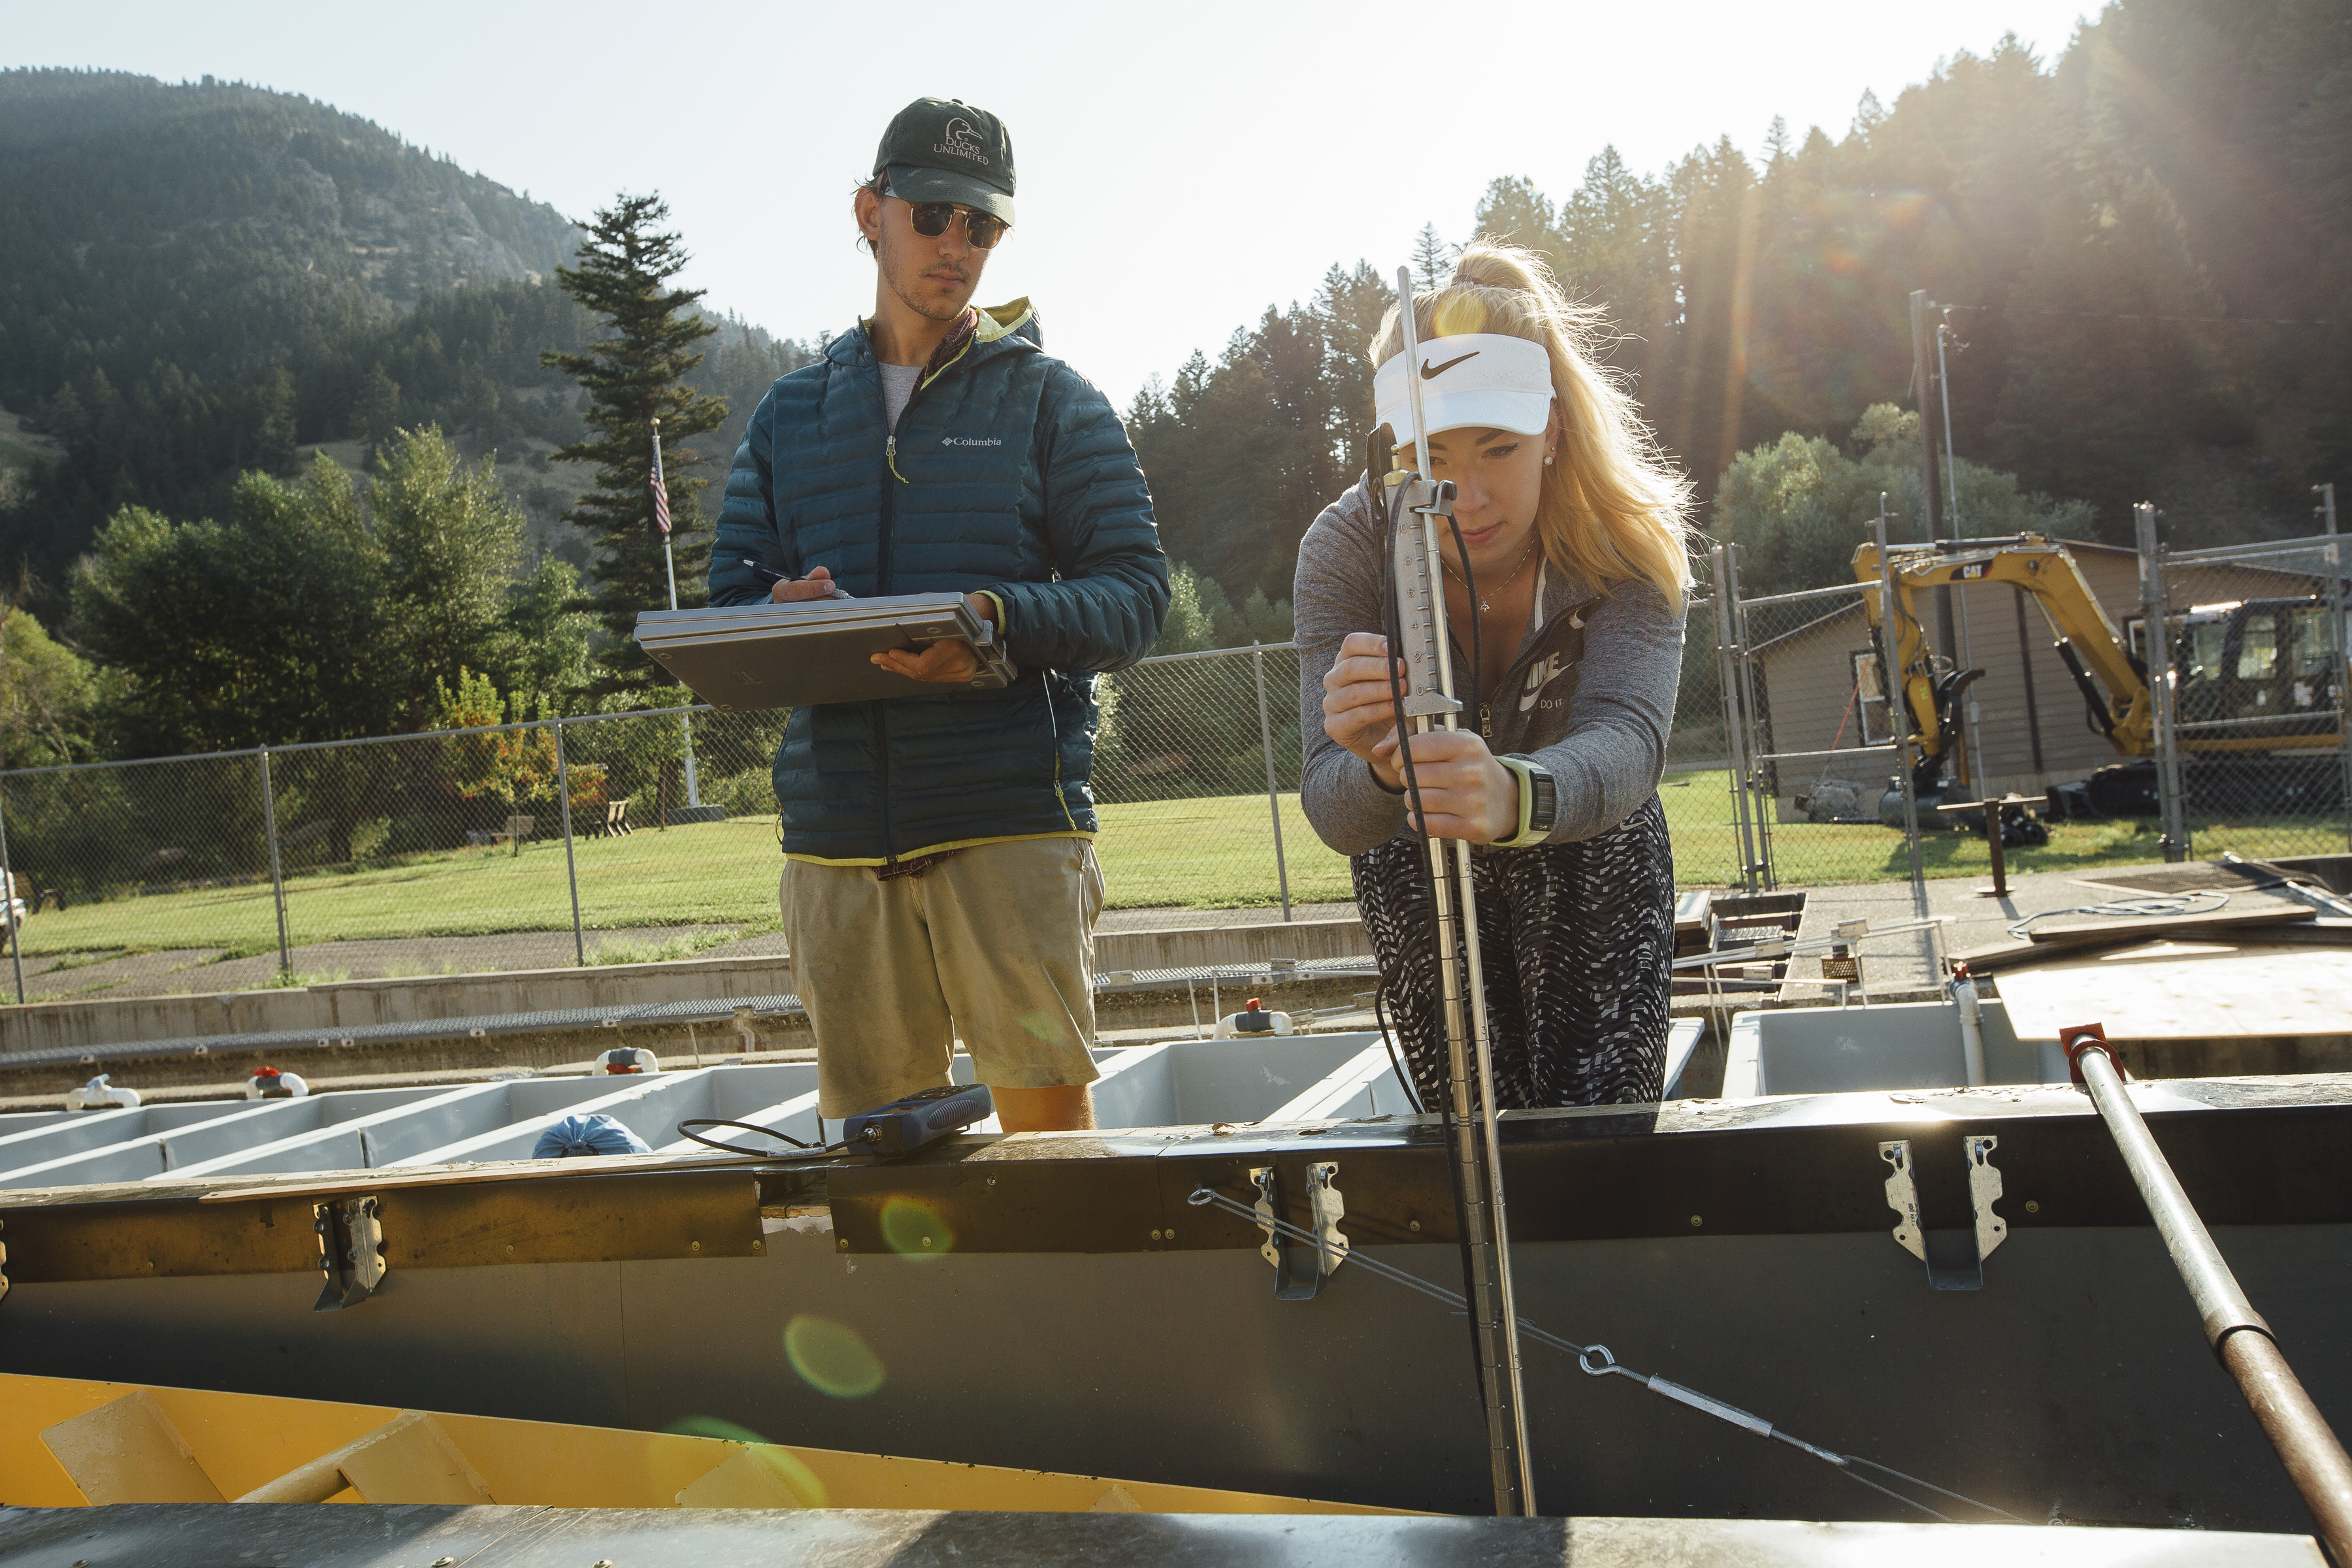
x=1472, y=381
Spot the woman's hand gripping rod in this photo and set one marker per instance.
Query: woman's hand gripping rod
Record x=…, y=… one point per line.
x=1427, y=704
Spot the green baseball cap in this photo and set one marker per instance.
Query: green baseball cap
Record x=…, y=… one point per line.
x=944, y=150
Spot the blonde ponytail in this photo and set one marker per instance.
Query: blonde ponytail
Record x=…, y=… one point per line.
x=1611, y=509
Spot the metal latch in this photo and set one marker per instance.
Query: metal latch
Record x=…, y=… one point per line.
x=350, y=1252
x=1954, y=1258
x=1299, y=1267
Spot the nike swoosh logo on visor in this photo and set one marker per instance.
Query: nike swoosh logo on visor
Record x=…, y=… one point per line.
x=1431, y=372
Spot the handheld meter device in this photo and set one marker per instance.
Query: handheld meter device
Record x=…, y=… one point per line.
x=919, y=1121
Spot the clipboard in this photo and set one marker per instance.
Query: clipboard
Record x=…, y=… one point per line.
x=745, y=657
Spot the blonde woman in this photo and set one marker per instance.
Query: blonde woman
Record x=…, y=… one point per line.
x=1573, y=526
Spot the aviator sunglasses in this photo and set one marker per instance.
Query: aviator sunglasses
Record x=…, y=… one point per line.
x=932, y=220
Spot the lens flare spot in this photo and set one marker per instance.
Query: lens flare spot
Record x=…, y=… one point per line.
x=712, y=1427
x=832, y=1358
x=1046, y=1024
x=912, y=1230
x=807, y=1489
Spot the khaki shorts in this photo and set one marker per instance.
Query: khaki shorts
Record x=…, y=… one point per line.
x=993, y=945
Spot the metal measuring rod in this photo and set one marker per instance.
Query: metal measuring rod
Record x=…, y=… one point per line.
x=2241, y=1340
x=1417, y=509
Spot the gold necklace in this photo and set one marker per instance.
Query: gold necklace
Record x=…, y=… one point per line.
x=1486, y=600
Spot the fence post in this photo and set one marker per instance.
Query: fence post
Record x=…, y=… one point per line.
x=1759, y=873
x=571, y=866
x=1898, y=720
x=1734, y=733
x=2342, y=647
x=276, y=876
x=16, y=926
x=1273, y=797
x=2173, y=811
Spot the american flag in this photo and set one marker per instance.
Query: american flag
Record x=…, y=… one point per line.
x=660, y=490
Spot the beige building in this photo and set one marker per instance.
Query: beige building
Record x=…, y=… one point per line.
x=1816, y=686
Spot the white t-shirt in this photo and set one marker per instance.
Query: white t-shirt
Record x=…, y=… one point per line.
x=898, y=385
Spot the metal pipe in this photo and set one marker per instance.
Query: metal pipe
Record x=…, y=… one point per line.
x=1735, y=718
x=2315, y=1460
x=1899, y=718
x=1273, y=799
x=571, y=866
x=1971, y=1010
x=2342, y=654
x=1464, y=988
x=1758, y=873
x=16, y=926
x=2156, y=638
x=276, y=876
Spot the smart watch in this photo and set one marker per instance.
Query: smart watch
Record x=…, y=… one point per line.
x=1539, y=800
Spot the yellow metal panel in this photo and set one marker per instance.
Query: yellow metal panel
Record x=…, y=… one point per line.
x=412, y=1460
x=242, y=1441
x=749, y=1478
x=28, y=1407
x=127, y=1451
x=245, y=1439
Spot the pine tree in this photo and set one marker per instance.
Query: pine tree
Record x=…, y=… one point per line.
x=376, y=409
x=1432, y=258
x=634, y=377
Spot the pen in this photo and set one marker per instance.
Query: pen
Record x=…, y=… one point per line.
x=771, y=578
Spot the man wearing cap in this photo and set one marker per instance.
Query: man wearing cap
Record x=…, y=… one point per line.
x=940, y=878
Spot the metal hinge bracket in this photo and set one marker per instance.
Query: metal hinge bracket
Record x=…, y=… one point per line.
x=350, y=1251
x=1300, y=1269
x=1954, y=1258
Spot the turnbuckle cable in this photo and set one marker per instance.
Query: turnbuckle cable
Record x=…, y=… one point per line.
x=1598, y=1361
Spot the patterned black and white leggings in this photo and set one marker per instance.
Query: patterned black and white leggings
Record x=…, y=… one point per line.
x=1578, y=940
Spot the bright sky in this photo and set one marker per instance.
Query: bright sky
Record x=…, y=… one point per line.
x=1181, y=167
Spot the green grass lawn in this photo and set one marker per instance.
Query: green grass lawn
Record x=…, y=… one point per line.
x=1203, y=854
x=1819, y=854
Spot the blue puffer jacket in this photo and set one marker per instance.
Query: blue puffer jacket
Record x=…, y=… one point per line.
x=1009, y=475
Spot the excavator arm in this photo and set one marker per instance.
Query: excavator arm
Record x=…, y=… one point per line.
x=2094, y=650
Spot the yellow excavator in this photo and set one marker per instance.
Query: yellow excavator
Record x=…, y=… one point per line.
x=2270, y=665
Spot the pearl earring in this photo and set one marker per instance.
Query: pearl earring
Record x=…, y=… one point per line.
x=1548, y=458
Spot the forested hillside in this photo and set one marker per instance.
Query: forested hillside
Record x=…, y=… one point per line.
x=198, y=279
x=2145, y=241
x=2144, y=247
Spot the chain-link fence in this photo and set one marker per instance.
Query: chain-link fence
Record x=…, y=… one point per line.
x=641, y=836
x=2254, y=756
x=2250, y=756
x=1196, y=776
x=1817, y=774
x=1697, y=791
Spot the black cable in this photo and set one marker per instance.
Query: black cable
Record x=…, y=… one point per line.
x=1393, y=626
x=1380, y=1018
x=685, y=1127
x=1844, y=1463
x=1477, y=639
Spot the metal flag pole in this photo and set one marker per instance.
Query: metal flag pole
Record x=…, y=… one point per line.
x=1479, y=1160
x=669, y=563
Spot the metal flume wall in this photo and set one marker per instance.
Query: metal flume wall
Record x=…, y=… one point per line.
x=1285, y=1079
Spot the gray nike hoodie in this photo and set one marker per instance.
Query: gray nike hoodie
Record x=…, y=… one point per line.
x=1589, y=694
